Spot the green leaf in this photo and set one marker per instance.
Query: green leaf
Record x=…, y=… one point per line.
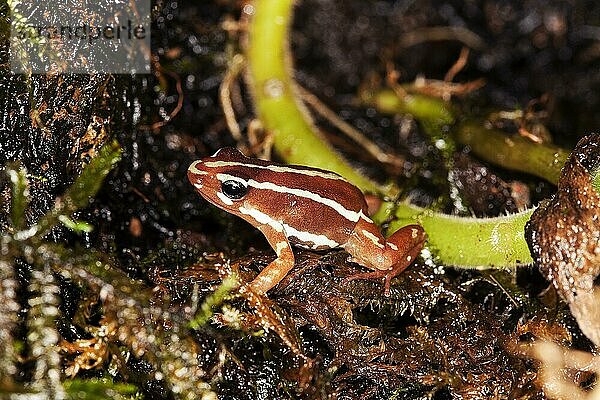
x=479, y=243
x=76, y=226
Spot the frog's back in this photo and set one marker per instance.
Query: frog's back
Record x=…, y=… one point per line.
x=319, y=208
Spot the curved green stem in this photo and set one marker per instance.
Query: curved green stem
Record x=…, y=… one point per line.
x=435, y=115
x=596, y=180
x=436, y=112
x=470, y=242
x=296, y=139
x=516, y=152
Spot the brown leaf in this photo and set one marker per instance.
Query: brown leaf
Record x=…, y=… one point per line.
x=563, y=236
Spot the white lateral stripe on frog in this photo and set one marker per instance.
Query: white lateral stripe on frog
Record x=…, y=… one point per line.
x=262, y=218
x=275, y=168
x=317, y=240
x=226, y=200
x=344, y=212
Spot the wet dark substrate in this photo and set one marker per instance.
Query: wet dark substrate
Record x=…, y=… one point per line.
x=449, y=335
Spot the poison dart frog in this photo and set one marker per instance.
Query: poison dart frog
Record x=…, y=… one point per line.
x=307, y=207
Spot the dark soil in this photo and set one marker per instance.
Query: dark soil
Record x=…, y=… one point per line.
x=443, y=335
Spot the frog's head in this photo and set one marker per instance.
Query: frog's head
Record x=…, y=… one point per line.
x=222, y=178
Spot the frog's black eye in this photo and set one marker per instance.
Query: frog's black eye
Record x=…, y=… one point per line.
x=234, y=189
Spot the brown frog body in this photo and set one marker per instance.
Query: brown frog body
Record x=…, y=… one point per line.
x=303, y=206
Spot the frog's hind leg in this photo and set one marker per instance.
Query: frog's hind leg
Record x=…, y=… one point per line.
x=390, y=257
x=273, y=273
x=406, y=243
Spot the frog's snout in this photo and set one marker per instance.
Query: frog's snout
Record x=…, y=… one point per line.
x=195, y=174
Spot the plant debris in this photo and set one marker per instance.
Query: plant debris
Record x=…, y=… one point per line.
x=564, y=236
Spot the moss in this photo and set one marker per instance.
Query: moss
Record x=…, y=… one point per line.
x=213, y=300
x=99, y=389
x=20, y=195
x=85, y=187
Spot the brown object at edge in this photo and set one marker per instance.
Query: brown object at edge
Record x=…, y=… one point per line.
x=563, y=236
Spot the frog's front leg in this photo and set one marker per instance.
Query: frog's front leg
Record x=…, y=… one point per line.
x=273, y=273
x=387, y=258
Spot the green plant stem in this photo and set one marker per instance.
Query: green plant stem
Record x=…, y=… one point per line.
x=270, y=79
x=435, y=115
x=470, y=242
x=511, y=152
x=516, y=153
x=434, y=111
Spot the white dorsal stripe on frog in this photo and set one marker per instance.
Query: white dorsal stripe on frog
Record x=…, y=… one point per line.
x=195, y=169
x=344, y=212
x=372, y=238
x=275, y=168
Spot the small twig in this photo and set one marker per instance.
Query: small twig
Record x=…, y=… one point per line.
x=392, y=77
x=158, y=71
x=143, y=196
x=349, y=130
x=440, y=33
x=444, y=90
x=36, y=118
x=431, y=87
x=531, y=125
x=528, y=121
x=500, y=286
x=531, y=136
x=235, y=27
x=458, y=65
x=235, y=67
x=261, y=141
x=223, y=356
